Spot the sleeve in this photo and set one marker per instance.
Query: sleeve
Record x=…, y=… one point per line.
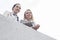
x=21, y=21
x=33, y=23
x=6, y=13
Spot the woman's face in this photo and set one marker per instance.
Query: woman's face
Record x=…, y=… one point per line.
x=17, y=8
x=28, y=15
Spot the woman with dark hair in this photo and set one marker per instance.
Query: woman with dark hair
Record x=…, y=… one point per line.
x=15, y=10
x=28, y=20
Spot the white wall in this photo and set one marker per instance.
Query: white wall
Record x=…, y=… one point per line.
x=46, y=13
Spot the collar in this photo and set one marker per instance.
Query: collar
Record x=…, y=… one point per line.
x=14, y=14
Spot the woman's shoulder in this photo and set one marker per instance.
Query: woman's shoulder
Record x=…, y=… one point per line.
x=7, y=13
x=22, y=21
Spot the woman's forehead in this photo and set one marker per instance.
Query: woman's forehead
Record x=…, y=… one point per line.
x=28, y=12
x=18, y=5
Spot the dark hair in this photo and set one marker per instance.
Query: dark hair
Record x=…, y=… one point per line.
x=15, y=5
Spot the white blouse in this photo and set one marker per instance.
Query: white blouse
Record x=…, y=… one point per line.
x=10, y=15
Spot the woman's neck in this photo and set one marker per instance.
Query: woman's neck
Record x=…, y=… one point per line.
x=28, y=19
x=14, y=13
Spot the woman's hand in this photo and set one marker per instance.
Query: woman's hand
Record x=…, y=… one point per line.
x=36, y=26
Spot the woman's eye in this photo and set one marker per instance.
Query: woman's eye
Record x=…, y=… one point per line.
x=16, y=6
x=26, y=13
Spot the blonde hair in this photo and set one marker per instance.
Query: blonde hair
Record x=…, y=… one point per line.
x=25, y=14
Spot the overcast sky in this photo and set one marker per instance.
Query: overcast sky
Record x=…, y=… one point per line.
x=45, y=12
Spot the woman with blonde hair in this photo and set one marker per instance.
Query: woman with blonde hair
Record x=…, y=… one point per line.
x=28, y=20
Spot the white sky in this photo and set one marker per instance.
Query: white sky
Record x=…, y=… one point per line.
x=45, y=12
